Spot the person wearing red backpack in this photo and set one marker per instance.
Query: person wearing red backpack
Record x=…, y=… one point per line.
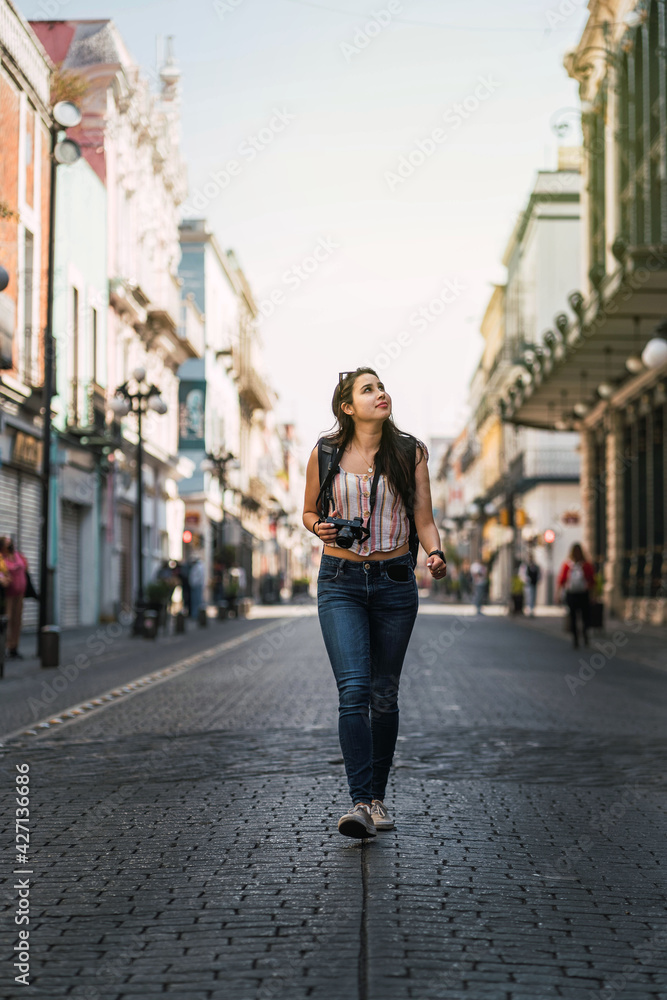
x=576, y=579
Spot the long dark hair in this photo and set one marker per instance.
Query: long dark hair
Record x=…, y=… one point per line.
x=394, y=456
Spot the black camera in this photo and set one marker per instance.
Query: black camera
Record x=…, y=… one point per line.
x=348, y=531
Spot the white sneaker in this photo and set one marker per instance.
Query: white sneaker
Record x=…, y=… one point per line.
x=357, y=822
x=380, y=815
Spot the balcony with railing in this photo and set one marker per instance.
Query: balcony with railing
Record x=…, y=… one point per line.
x=252, y=388
x=86, y=409
x=164, y=308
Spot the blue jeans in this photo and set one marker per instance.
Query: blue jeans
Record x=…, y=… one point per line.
x=367, y=619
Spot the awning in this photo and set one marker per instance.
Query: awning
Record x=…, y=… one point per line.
x=584, y=359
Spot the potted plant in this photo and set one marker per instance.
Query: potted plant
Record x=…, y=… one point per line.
x=158, y=595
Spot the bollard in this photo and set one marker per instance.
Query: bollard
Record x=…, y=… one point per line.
x=138, y=623
x=179, y=622
x=150, y=625
x=202, y=617
x=50, y=646
x=3, y=640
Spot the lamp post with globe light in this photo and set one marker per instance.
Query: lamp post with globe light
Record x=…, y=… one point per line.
x=216, y=464
x=63, y=151
x=137, y=396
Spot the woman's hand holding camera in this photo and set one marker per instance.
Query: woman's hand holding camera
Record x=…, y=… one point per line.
x=327, y=532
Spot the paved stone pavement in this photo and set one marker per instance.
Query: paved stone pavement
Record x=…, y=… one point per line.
x=184, y=843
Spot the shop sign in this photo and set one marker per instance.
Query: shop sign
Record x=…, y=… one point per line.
x=191, y=414
x=27, y=451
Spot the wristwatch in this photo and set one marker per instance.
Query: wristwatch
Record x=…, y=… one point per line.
x=439, y=552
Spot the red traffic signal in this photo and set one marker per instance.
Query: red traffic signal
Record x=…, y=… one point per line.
x=550, y=536
x=187, y=536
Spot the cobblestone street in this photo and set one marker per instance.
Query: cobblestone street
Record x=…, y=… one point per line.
x=183, y=837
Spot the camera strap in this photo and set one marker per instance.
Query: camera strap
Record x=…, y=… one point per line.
x=371, y=503
x=328, y=458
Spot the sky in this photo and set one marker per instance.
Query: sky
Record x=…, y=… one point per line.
x=367, y=163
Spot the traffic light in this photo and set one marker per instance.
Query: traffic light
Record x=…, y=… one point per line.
x=187, y=536
x=549, y=536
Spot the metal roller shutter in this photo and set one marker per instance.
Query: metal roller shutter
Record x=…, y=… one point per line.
x=20, y=512
x=9, y=502
x=69, y=564
x=30, y=490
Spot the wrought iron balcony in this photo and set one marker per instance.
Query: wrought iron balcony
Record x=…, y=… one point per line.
x=86, y=409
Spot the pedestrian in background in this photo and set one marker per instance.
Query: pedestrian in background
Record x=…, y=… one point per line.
x=4, y=576
x=17, y=567
x=530, y=574
x=576, y=579
x=366, y=590
x=479, y=577
x=196, y=579
x=516, y=591
x=466, y=584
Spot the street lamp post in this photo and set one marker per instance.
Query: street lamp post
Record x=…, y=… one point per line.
x=217, y=466
x=137, y=396
x=65, y=151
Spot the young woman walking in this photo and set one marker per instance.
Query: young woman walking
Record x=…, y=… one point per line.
x=366, y=589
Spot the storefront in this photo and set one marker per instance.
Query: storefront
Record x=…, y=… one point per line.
x=21, y=502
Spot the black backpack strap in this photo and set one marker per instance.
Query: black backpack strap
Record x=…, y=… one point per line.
x=413, y=540
x=328, y=457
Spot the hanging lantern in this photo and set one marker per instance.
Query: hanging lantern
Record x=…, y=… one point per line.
x=654, y=354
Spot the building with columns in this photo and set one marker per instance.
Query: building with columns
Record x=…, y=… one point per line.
x=603, y=371
x=518, y=482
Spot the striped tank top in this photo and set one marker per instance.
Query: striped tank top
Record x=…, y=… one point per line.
x=389, y=527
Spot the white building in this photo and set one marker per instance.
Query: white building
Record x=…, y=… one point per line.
x=525, y=481
x=210, y=418
x=131, y=139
